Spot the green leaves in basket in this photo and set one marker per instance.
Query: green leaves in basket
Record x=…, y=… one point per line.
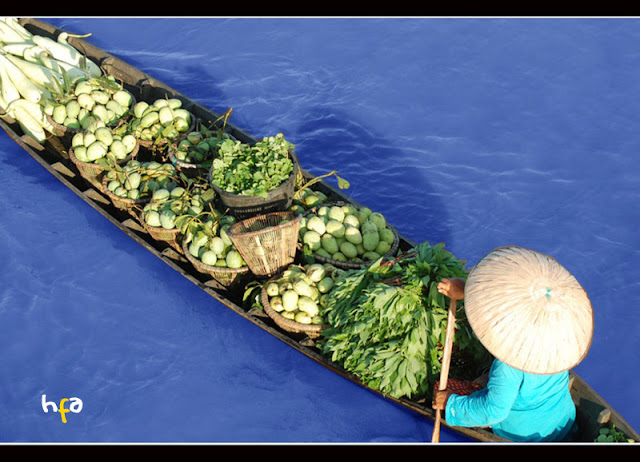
x=387, y=322
x=252, y=170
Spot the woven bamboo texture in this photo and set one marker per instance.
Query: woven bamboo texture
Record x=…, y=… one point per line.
x=61, y=130
x=173, y=236
x=528, y=310
x=228, y=277
x=170, y=236
x=89, y=171
x=123, y=203
x=311, y=330
x=92, y=172
x=353, y=264
x=267, y=242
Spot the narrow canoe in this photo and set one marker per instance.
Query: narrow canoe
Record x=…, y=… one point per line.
x=593, y=413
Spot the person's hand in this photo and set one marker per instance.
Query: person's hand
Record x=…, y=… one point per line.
x=452, y=288
x=440, y=398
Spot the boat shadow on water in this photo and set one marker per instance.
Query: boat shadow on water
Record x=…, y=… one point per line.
x=382, y=175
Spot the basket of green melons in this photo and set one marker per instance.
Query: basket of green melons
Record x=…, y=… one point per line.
x=207, y=246
x=294, y=298
x=346, y=235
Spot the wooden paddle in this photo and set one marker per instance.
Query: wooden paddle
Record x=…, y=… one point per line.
x=446, y=361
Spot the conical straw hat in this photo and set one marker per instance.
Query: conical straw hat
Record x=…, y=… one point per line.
x=528, y=310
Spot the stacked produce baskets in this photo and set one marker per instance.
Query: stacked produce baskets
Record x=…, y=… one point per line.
x=268, y=241
x=231, y=214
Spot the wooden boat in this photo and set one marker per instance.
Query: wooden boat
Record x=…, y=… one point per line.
x=593, y=413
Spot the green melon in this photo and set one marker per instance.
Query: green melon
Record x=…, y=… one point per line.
x=290, y=300
x=353, y=235
x=329, y=244
x=335, y=228
x=348, y=249
x=317, y=224
x=234, y=259
x=370, y=240
x=312, y=239
x=209, y=257
x=386, y=235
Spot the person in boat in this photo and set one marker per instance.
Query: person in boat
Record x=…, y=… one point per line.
x=537, y=322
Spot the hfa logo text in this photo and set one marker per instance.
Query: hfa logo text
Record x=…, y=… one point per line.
x=75, y=406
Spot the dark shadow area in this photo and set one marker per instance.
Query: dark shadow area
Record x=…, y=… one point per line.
x=382, y=176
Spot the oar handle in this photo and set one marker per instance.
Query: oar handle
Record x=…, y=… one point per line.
x=446, y=362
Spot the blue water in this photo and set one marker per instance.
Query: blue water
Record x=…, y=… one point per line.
x=477, y=132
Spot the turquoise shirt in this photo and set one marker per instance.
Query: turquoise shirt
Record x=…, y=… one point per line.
x=517, y=405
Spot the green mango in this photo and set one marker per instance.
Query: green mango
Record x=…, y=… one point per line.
x=370, y=240
x=234, y=259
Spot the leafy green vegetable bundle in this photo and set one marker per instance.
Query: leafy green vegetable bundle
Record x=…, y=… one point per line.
x=387, y=323
x=252, y=169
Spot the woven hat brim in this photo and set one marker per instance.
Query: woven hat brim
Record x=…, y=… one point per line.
x=529, y=311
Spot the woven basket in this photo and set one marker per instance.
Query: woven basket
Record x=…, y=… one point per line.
x=67, y=133
x=352, y=264
x=228, y=277
x=91, y=171
x=123, y=203
x=266, y=244
x=312, y=330
x=88, y=170
x=61, y=130
x=278, y=199
x=170, y=236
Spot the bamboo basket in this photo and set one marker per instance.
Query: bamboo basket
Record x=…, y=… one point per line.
x=277, y=200
x=228, y=277
x=67, y=133
x=311, y=330
x=266, y=243
x=91, y=171
x=352, y=264
x=170, y=236
x=123, y=203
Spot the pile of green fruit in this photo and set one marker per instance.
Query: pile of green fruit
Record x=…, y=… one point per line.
x=252, y=170
x=164, y=119
x=128, y=181
x=171, y=198
x=207, y=240
x=345, y=233
x=102, y=145
x=138, y=180
x=98, y=98
x=307, y=199
x=301, y=292
x=199, y=146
